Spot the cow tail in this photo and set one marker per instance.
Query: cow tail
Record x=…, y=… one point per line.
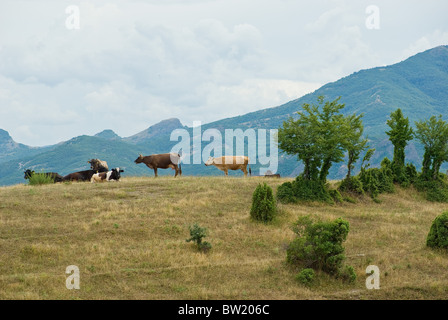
x=180, y=167
x=250, y=171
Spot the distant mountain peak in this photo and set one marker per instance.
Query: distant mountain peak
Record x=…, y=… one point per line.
x=161, y=128
x=108, y=135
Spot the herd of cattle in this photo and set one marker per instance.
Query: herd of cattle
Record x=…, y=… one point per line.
x=99, y=170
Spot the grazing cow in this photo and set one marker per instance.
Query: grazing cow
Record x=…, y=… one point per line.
x=227, y=163
x=113, y=175
x=162, y=161
x=53, y=175
x=98, y=166
x=269, y=174
x=85, y=175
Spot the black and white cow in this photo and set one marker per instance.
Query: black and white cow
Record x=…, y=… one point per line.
x=113, y=175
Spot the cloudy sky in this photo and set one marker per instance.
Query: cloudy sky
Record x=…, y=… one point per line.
x=131, y=64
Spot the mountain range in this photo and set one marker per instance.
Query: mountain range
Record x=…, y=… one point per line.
x=417, y=85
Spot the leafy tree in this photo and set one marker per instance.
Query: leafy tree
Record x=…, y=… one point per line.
x=399, y=134
x=355, y=144
x=320, y=137
x=433, y=134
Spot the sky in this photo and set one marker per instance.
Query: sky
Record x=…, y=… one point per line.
x=69, y=68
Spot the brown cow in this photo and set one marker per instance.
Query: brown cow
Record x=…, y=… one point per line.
x=162, y=161
x=227, y=163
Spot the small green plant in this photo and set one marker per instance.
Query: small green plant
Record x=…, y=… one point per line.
x=347, y=274
x=197, y=233
x=40, y=179
x=438, y=233
x=318, y=245
x=306, y=276
x=264, y=207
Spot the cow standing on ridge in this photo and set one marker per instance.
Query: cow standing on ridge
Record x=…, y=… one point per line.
x=227, y=163
x=162, y=161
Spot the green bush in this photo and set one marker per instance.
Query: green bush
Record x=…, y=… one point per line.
x=351, y=185
x=264, y=207
x=436, y=190
x=318, y=245
x=40, y=179
x=302, y=189
x=196, y=235
x=347, y=274
x=438, y=233
x=378, y=180
x=306, y=276
x=336, y=196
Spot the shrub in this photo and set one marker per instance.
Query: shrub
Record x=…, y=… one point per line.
x=351, y=185
x=40, y=179
x=348, y=274
x=436, y=190
x=302, y=189
x=306, y=276
x=318, y=244
x=196, y=235
x=264, y=207
x=336, y=196
x=378, y=180
x=438, y=233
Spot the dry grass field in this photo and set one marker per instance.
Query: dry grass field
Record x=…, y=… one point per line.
x=128, y=240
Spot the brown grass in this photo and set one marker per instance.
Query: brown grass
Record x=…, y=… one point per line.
x=128, y=240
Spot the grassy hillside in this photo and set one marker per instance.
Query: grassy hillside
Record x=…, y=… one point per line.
x=128, y=240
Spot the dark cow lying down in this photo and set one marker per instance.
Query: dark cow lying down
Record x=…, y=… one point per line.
x=85, y=175
x=53, y=175
x=113, y=175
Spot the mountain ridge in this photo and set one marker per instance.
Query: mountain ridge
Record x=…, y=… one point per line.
x=418, y=85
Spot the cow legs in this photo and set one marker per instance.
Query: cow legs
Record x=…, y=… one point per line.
x=177, y=170
x=244, y=169
x=226, y=172
x=155, y=172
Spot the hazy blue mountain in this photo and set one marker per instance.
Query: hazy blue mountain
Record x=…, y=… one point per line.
x=11, y=150
x=418, y=85
x=108, y=135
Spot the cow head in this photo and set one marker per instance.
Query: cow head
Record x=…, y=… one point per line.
x=28, y=173
x=139, y=159
x=116, y=174
x=209, y=162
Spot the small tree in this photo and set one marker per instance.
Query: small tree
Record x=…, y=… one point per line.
x=399, y=134
x=264, y=207
x=355, y=144
x=433, y=134
x=196, y=235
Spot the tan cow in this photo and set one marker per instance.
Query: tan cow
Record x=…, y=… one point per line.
x=227, y=163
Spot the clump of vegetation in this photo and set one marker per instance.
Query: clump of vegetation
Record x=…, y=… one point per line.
x=399, y=134
x=318, y=245
x=306, y=276
x=302, y=189
x=320, y=137
x=197, y=233
x=264, y=207
x=40, y=179
x=347, y=274
x=438, y=233
x=351, y=185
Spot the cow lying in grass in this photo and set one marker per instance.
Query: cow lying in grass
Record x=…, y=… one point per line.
x=53, y=175
x=85, y=175
x=113, y=175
